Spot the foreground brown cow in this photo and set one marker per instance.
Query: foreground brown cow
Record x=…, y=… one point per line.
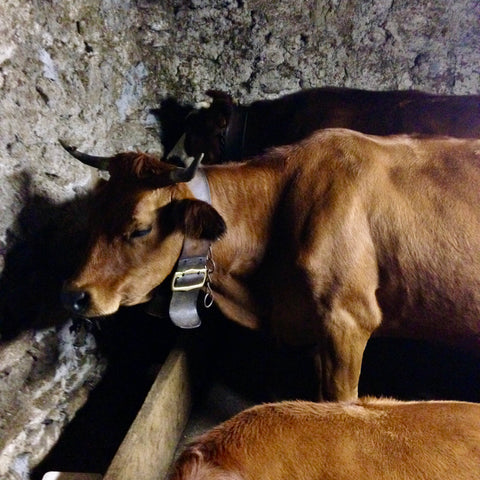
x=367, y=440
x=225, y=131
x=323, y=242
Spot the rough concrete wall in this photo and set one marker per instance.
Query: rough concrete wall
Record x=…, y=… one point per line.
x=73, y=70
x=259, y=48
x=89, y=72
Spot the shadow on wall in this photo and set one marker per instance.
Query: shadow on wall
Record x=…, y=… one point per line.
x=171, y=117
x=45, y=252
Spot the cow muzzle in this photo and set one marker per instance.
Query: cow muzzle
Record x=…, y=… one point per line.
x=76, y=301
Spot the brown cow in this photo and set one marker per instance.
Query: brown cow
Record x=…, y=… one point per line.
x=225, y=131
x=322, y=242
x=366, y=440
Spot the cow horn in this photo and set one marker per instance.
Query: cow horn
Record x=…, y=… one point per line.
x=97, y=162
x=180, y=175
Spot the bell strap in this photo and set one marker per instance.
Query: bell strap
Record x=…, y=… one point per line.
x=191, y=271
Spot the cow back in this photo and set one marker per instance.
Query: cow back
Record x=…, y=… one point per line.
x=365, y=440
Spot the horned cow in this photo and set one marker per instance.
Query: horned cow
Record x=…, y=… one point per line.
x=368, y=439
x=324, y=242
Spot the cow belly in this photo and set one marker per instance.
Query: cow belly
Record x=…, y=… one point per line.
x=453, y=323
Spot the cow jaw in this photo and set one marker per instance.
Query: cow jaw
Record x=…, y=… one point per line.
x=117, y=275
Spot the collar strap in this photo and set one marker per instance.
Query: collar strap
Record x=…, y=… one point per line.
x=198, y=185
x=191, y=272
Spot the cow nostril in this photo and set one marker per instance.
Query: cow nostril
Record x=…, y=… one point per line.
x=77, y=301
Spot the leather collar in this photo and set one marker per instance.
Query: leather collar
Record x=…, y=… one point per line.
x=191, y=273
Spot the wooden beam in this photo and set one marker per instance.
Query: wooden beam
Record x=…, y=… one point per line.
x=149, y=446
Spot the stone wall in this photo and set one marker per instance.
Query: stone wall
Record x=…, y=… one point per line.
x=90, y=72
x=259, y=49
x=72, y=70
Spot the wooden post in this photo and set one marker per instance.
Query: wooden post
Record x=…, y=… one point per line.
x=149, y=446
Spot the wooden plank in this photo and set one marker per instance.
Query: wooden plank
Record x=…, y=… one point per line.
x=148, y=448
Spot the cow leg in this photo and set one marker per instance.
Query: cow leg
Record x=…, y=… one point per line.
x=340, y=351
x=339, y=376
x=340, y=262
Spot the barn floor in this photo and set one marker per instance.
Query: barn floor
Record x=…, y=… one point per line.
x=234, y=368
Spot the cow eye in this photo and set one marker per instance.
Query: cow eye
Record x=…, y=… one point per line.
x=141, y=232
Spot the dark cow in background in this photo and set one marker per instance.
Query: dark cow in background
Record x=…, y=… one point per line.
x=323, y=243
x=226, y=131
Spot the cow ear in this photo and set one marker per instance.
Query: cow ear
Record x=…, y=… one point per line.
x=198, y=219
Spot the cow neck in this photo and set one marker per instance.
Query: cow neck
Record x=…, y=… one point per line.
x=235, y=134
x=191, y=271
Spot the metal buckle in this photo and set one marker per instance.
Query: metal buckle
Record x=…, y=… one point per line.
x=190, y=271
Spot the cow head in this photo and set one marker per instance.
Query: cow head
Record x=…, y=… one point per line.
x=137, y=223
x=205, y=128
